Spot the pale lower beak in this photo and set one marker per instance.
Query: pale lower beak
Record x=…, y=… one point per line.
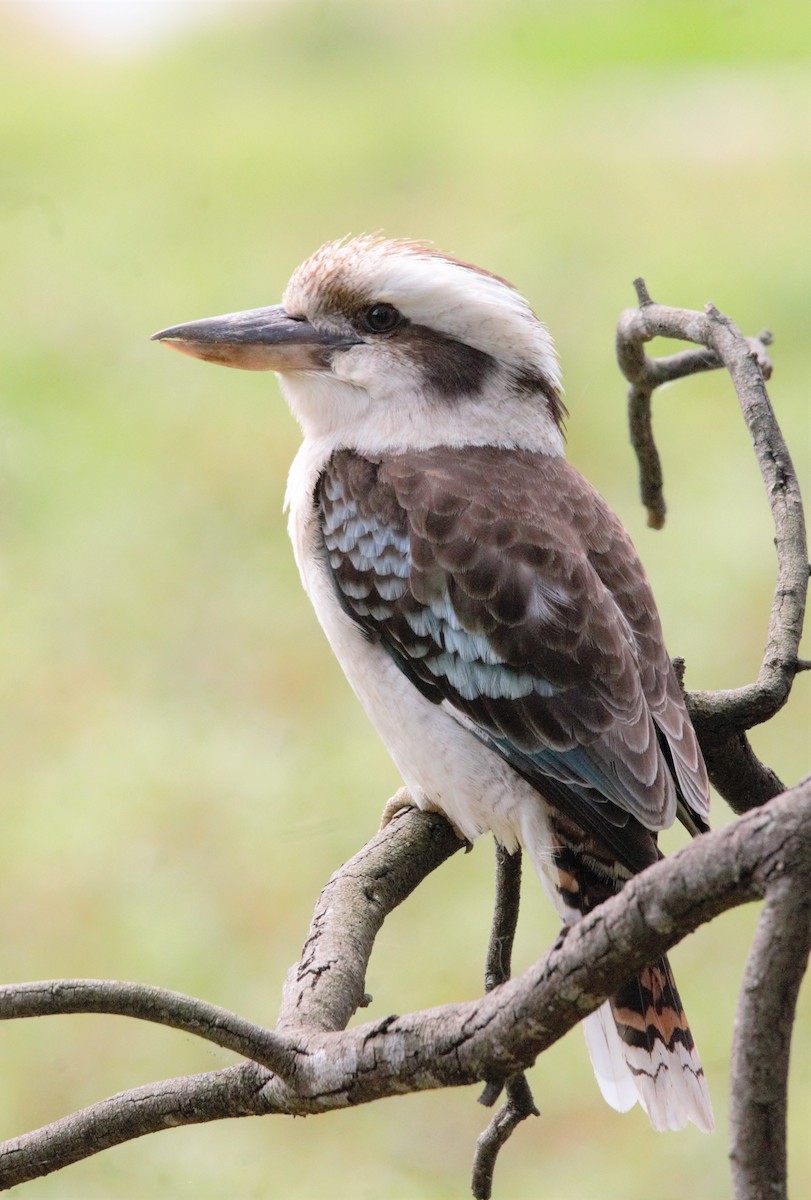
x=260, y=339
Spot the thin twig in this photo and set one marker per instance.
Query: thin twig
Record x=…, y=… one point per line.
x=519, y=1103
x=50, y=997
x=760, y=1049
x=498, y=966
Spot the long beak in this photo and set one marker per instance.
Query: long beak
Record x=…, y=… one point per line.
x=261, y=339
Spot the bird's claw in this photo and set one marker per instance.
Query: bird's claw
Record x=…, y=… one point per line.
x=401, y=799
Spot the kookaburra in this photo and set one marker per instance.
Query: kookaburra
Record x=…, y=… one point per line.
x=486, y=606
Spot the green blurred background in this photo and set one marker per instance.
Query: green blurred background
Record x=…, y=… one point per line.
x=182, y=763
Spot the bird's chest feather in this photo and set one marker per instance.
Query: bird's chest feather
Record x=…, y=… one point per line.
x=442, y=763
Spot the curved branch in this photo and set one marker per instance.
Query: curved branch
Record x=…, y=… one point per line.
x=734, y=769
x=762, y=1041
x=518, y=1106
x=497, y=1035
x=50, y=997
x=326, y=987
x=188, y=1100
x=757, y=702
x=721, y=718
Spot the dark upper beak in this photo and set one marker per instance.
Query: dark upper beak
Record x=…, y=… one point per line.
x=261, y=339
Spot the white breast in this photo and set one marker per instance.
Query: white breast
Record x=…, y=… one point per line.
x=441, y=762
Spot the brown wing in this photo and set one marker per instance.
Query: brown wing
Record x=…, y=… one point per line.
x=504, y=587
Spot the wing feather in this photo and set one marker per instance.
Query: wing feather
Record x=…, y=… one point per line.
x=503, y=586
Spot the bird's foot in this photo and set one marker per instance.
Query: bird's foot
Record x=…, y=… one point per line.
x=403, y=799
x=395, y=804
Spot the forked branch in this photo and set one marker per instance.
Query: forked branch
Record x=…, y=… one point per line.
x=498, y=1035
x=722, y=718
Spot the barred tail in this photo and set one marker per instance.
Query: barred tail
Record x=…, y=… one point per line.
x=641, y=1048
x=639, y=1041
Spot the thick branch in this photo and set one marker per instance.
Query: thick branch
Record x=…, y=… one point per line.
x=498, y=1035
x=326, y=987
x=734, y=769
x=762, y=1042
x=189, y=1100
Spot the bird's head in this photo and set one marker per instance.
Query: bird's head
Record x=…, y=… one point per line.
x=390, y=344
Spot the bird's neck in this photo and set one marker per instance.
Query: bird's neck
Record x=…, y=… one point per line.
x=333, y=414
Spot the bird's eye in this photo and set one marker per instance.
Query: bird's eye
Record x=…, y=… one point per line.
x=381, y=318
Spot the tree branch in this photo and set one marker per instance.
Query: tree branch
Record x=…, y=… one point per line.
x=721, y=718
x=188, y=1100
x=327, y=986
x=760, y=1051
x=519, y=1103
x=498, y=1035
x=49, y=997
x=518, y=1106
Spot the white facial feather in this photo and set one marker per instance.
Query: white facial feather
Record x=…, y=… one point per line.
x=430, y=288
x=374, y=397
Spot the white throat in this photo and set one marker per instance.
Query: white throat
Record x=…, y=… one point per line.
x=400, y=417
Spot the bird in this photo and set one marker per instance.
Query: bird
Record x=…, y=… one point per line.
x=486, y=605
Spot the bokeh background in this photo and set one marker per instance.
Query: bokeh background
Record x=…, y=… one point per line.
x=182, y=763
